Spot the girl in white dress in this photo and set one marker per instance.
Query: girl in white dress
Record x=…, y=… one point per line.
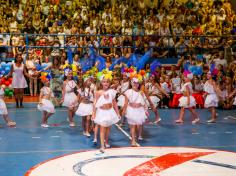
x=135, y=109
x=18, y=73
x=3, y=109
x=45, y=104
x=124, y=86
x=153, y=90
x=105, y=110
x=187, y=101
x=69, y=98
x=211, y=99
x=85, y=109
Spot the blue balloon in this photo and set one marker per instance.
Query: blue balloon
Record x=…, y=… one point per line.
x=2, y=72
x=9, y=64
x=0, y=69
x=7, y=70
x=3, y=64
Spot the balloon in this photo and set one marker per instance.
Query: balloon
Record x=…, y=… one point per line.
x=0, y=68
x=7, y=83
x=3, y=64
x=10, y=94
x=7, y=91
x=7, y=70
x=3, y=72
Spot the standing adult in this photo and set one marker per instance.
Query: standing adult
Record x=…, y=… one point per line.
x=18, y=73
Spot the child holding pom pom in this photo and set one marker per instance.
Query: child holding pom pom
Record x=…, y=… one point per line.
x=3, y=109
x=45, y=104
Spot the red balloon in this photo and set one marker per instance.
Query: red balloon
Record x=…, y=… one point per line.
x=7, y=83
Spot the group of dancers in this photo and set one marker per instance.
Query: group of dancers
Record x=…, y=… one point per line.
x=105, y=99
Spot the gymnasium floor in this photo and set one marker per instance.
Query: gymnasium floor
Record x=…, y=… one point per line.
x=28, y=144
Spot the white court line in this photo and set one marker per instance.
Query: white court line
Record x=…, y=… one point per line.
x=126, y=134
x=39, y=151
x=59, y=131
x=54, y=136
x=212, y=132
x=228, y=132
x=36, y=137
x=195, y=133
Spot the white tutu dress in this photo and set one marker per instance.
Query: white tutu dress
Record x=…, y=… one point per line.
x=85, y=109
x=108, y=117
x=3, y=107
x=183, y=101
x=135, y=116
x=18, y=79
x=211, y=98
x=122, y=88
x=70, y=99
x=46, y=105
x=153, y=91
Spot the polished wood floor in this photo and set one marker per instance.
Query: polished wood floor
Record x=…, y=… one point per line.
x=27, y=98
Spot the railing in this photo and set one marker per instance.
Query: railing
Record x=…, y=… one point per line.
x=145, y=42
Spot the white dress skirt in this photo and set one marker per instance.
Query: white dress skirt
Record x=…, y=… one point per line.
x=154, y=99
x=3, y=107
x=108, y=117
x=211, y=98
x=46, y=106
x=70, y=99
x=18, y=79
x=183, y=101
x=135, y=116
x=85, y=109
x=234, y=103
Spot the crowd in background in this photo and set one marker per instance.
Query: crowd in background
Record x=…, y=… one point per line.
x=177, y=29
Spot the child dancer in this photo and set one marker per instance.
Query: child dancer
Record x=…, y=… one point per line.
x=45, y=104
x=69, y=98
x=187, y=101
x=124, y=86
x=211, y=100
x=135, y=109
x=105, y=112
x=3, y=109
x=154, y=89
x=85, y=108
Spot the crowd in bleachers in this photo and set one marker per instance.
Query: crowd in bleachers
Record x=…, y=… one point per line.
x=199, y=32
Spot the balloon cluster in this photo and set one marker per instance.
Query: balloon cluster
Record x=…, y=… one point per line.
x=5, y=68
x=6, y=84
